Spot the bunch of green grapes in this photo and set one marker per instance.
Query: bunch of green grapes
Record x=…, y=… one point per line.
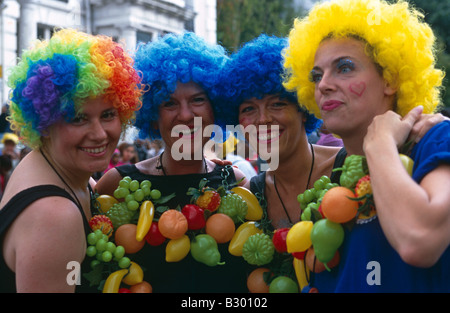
x=134, y=193
x=310, y=200
x=105, y=251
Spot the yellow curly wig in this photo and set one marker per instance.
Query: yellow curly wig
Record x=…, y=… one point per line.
x=398, y=41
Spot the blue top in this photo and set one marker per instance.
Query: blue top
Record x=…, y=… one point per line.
x=368, y=262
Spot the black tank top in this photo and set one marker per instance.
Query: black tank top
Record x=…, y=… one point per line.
x=188, y=275
x=12, y=210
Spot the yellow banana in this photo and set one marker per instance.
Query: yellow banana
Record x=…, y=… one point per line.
x=302, y=273
x=135, y=275
x=147, y=211
x=255, y=212
x=241, y=235
x=113, y=281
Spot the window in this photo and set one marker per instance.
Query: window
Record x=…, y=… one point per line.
x=44, y=32
x=143, y=36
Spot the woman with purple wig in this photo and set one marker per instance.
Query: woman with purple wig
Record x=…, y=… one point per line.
x=72, y=97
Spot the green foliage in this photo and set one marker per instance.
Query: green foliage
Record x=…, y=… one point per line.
x=239, y=21
x=436, y=14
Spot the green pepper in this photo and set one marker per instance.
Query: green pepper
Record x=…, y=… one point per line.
x=204, y=250
x=355, y=167
x=326, y=238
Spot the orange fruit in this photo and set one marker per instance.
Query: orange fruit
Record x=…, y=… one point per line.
x=172, y=224
x=221, y=227
x=126, y=236
x=143, y=287
x=255, y=281
x=336, y=205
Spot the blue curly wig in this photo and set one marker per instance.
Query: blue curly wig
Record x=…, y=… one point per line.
x=174, y=58
x=256, y=71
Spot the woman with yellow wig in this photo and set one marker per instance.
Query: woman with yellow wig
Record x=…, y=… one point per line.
x=72, y=96
x=367, y=68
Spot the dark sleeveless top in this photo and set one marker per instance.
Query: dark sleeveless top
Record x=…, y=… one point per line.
x=188, y=275
x=12, y=210
x=258, y=183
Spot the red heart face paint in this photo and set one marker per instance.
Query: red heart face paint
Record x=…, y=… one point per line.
x=358, y=88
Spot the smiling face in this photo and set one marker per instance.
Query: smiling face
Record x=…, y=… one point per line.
x=87, y=143
x=349, y=89
x=189, y=103
x=270, y=111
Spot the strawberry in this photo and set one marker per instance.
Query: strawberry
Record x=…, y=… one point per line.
x=209, y=200
x=363, y=187
x=205, y=197
x=103, y=223
x=363, y=192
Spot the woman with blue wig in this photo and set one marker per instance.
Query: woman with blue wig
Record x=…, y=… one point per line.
x=252, y=86
x=180, y=71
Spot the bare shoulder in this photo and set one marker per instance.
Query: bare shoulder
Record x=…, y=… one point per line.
x=108, y=182
x=149, y=166
x=326, y=151
x=325, y=155
x=51, y=223
x=324, y=160
x=36, y=173
x=42, y=241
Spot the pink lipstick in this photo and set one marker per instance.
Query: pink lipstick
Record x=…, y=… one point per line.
x=331, y=105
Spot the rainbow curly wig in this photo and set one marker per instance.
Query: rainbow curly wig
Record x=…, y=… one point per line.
x=171, y=59
x=255, y=71
x=397, y=40
x=55, y=77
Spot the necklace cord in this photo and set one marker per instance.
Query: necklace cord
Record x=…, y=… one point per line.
x=307, y=184
x=60, y=177
x=161, y=167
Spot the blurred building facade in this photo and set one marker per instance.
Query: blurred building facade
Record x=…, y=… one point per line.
x=127, y=21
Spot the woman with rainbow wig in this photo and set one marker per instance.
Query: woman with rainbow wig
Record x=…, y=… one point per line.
x=71, y=98
x=367, y=68
x=181, y=70
x=252, y=87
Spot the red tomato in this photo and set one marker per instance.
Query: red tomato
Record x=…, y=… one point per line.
x=279, y=239
x=154, y=237
x=321, y=212
x=195, y=216
x=299, y=255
